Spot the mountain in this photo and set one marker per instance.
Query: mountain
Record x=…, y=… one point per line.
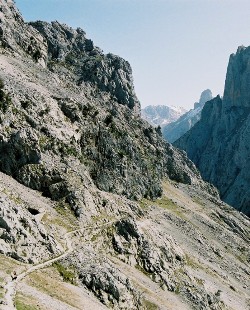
x=161, y=115
x=219, y=143
x=97, y=210
x=178, y=128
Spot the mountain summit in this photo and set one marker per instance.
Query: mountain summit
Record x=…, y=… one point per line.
x=175, y=130
x=161, y=115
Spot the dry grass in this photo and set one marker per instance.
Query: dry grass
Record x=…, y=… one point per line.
x=50, y=282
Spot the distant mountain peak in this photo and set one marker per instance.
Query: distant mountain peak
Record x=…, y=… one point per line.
x=178, y=128
x=161, y=114
x=206, y=95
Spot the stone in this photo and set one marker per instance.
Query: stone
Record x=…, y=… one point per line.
x=218, y=144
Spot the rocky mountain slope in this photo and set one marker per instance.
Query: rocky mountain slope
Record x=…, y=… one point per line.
x=146, y=232
x=219, y=143
x=161, y=115
x=174, y=130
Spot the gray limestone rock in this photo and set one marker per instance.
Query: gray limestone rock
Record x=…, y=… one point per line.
x=219, y=143
x=22, y=236
x=19, y=37
x=71, y=48
x=102, y=278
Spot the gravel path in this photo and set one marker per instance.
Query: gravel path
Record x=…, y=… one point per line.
x=10, y=287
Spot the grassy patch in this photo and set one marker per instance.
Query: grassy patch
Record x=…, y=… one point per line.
x=150, y=305
x=191, y=262
x=164, y=203
x=145, y=203
x=67, y=274
x=21, y=305
x=50, y=283
x=64, y=218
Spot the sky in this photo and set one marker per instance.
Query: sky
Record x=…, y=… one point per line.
x=177, y=48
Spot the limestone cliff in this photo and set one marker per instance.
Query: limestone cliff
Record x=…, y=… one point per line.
x=80, y=111
x=219, y=143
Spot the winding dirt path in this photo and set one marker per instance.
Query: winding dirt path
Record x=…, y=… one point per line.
x=10, y=287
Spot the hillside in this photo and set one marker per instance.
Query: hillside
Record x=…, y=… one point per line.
x=97, y=210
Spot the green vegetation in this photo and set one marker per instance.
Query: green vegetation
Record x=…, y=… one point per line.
x=43, y=141
x=20, y=305
x=191, y=262
x=67, y=274
x=150, y=305
x=1, y=288
x=164, y=203
x=145, y=203
x=64, y=218
x=198, y=200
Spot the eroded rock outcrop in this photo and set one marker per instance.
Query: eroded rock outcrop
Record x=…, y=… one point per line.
x=79, y=116
x=22, y=235
x=28, y=41
x=89, y=64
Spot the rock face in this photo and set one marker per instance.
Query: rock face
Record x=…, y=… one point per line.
x=178, y=128
x=22, y=235
x=25, y=42
x=161, y=115
x=108, y=73
x=219, y=143
x=80, y=112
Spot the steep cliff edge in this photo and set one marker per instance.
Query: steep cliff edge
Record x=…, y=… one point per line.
x=219, y=143
x=80, y=111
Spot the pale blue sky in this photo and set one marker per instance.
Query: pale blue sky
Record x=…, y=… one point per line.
x=177, y=48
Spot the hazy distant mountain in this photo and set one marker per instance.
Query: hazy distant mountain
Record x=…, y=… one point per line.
x=161, y=114
x=178, y=128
